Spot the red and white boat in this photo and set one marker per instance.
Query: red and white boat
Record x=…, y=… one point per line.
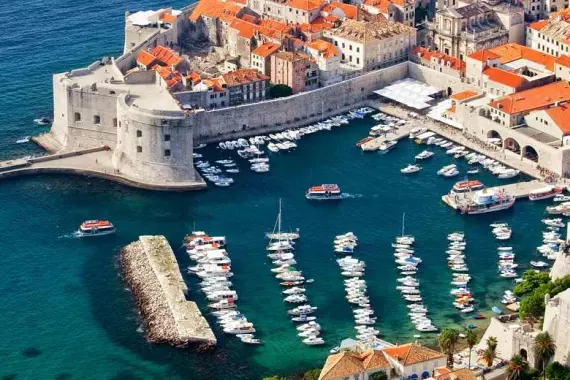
x=544, y=193
x=467, y=185
x=96, y=228
x=324, y=192
x=485, y=201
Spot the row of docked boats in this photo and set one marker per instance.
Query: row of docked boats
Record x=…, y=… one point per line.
x=506, y=265
x=501, y=231
x=281, y=252
x=464, y=300
x=551, y=239
x=213, y=267
x=408, y=284
x=218, y=173
x=388, y=124
x=356, y=290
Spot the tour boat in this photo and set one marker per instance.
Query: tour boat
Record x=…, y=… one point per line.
x=96, y=228
x=544, y=193
x=324, y=192
x=411, y=169
x=467, y=185
x=485, y=201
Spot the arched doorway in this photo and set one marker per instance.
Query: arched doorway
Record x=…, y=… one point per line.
x=494, y=137
x=449, y=91
x=512, y=145
x=524, y=354
x=530, y=153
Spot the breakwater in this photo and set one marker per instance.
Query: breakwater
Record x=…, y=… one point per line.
x=151, y=271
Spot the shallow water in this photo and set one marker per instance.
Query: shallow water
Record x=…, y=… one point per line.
x=66, y=313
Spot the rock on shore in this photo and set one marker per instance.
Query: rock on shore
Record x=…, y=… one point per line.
x=152, y=272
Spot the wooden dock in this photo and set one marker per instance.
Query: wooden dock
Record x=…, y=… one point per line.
x=517, y=190
x=400, y=133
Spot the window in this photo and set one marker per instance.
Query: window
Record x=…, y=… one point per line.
x=343, y=45
x=139, y=149
x=357, y=60
x=96, y=119
x=357, y=49
x=350, y=47
x=139, y=133
x=167, y=153
x=166, y=137
x=77, y=116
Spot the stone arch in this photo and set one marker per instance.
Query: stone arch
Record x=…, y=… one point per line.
x=512, y=145
x=492, y=137
x=524, y=354
x=530, y=153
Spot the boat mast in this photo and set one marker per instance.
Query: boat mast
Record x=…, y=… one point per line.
x=279, y=220
x=403, y=222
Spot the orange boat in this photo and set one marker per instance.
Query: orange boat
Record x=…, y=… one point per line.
x=96, y=228
x=467, y=185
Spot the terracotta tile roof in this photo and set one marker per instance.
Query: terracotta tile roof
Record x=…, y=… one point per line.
x=401, y=3
x=245, y=29
x=484, y=55
x=411, y=353
x=561, y=117
x=563, y=60
x=249, y=18
x=325, y=48
x=349, y=10
x=172, y=78
x=243, y=76
x=444, y=373
x=168, y=18
x=533, y=99
x=266, y=49
x=464, y=95
x=306, y=5
x=426, y=54
x=348, y=363
x=382, y=5
x=194, y=78
x=331, y=18
x=210, y=8
x=364, y=32
x=317, y=25
x=537, y=25
x=214, y=84
x=512, y=52
x=166, y=56
x=145, y=58
x=507, y=78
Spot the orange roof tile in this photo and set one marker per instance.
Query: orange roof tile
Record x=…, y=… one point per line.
x=327, y=49
x=349, y=10
x=563, y=60
x=317, y=25
x=504, y=77
x=382, y=5
x=533, y=99
x=210, y=8
x=249, y=18
x=411, y=353
x=194, y=77
x=348, y=363
x=483, y=55
x=561, y=117
x=266, y=49
x=243, y=76
x=537, y=25
x=451, y=109
x=331, y=18
x=426, y=54
x=444, y=373
x=229, y=11
x=245, y=29
x=272, y=24
x=513, y=51
x=306, y=5
x=168, y=18
x=464, y=95
x=145, y=58
x=166, y=56
x=171, y=78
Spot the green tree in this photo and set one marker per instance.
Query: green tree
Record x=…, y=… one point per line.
x=532, y=307
x=531, y=280
x=447, y=340
x=557, y=371
x=280, y=91
x=380, y=375
x=490, y=353
x=517, y=368
x=471, y=340
x=274, y=378
x=544, y=349
x=312, y=374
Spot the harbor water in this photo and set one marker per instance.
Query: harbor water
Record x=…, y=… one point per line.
x=65, y=311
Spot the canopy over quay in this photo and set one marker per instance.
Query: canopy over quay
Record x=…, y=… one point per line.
x=151, y=271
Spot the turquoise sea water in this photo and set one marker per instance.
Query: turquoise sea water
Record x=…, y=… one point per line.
x=65, y=312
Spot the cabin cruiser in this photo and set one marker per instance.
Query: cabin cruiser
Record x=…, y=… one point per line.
x=446, y=169
x=424, y=155
x=411, y=169
x=485, y=201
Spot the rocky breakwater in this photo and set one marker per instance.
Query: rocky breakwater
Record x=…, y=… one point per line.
x=152, y=272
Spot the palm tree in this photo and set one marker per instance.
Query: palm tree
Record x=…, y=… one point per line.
x=544, y=349
x=516, y=368
x=471, y=340
x=490, y=353
x=447, y=340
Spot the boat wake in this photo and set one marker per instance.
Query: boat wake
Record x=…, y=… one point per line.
x=73, y=235
x=351, y=196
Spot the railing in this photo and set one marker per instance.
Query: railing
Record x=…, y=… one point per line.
x=487, y=34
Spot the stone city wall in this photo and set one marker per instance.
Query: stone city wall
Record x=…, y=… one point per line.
x=296, y=110
x=436, y=79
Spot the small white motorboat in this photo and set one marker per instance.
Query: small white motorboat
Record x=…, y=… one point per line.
x=411, y=169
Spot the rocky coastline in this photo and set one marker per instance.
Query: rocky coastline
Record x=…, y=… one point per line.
x=151, y=271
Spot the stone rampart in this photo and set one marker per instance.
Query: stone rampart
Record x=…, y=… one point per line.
x=436, y=79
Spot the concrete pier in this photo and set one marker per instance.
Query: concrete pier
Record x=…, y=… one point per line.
x=400, y=133
x=152, y=272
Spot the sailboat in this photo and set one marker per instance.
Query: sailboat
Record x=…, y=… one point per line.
x=276, y=234
x=403, y=239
